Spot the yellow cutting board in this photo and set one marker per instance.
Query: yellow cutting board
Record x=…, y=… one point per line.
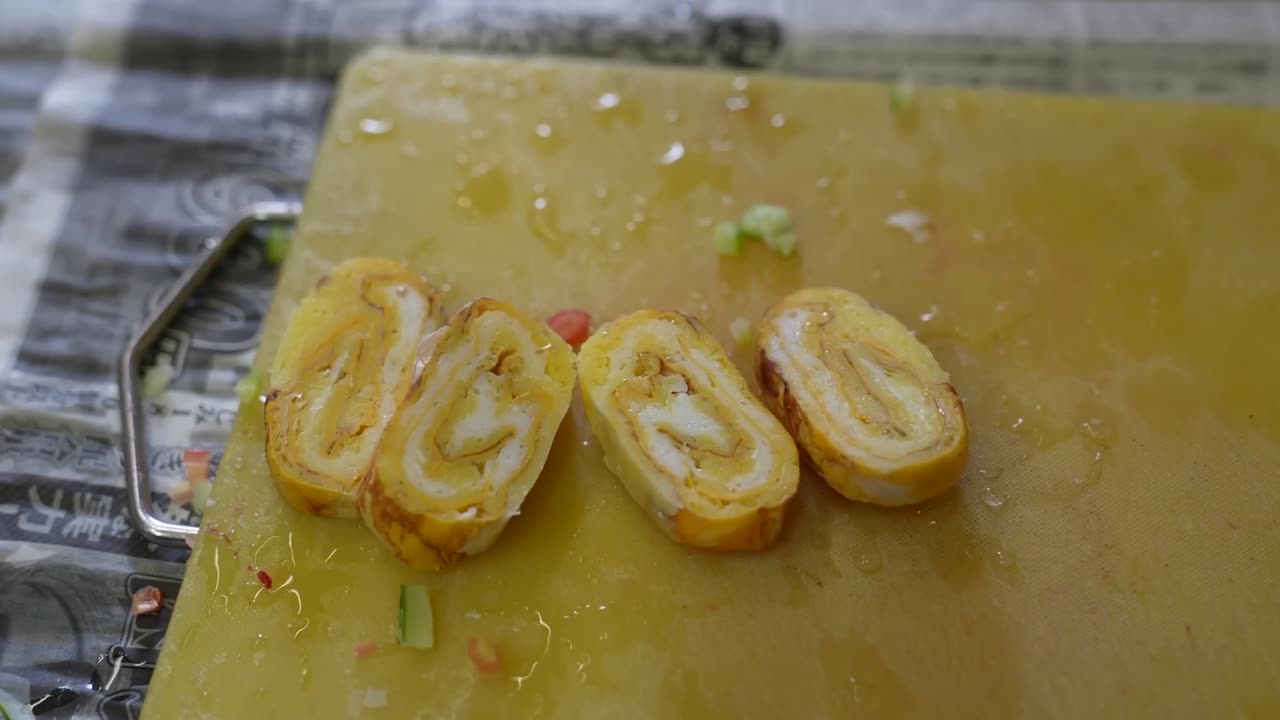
x=1099, y=277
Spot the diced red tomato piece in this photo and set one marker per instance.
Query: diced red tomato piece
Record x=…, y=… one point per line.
x=573, y=325
x=483, y=655
x=366, y=649
x=265, y=578
x=147, y=600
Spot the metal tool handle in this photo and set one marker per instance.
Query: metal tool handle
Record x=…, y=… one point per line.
x=132, y=420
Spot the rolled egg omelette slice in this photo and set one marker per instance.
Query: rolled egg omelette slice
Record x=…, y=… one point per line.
x=680, y=428
x=343, y=365
x=471, y=437
x=867, y=403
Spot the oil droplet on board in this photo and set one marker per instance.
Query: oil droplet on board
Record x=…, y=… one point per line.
x=546, y=139
x=1006, y=566
x=673, y=153
x=868, y=559
x=607, y=101
x=376, y=127
x=992, y=499
x=485, y=192
x=544, y=221
x=611, y=108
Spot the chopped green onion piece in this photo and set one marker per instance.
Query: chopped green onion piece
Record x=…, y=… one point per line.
x=277, y=244
x=727, y=239
x=783, y=244
x=772, y=225
x=903, y=96
x=249, y=388
x=741, y=331
x=201, y=496
x=765, y=220
x=157, y=378
x=417, y=628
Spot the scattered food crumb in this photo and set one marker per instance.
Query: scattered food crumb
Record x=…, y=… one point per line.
x=157, y=378
x=375, y=698
x=147, y=600
x=484, y=656
x=741, y=331
x=903, y=97
x=915, y=223
x=727, y=239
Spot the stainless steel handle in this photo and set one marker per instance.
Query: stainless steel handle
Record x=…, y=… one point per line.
x=132, y=420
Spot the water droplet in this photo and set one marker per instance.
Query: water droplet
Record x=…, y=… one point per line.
x=1098, y=430
x=1001, y=307
x=868, y=560
x=1007, y=567
x=1017, y=423
x=672, y=115
x=543, y=130
x=737, y=103
x=824, y=182
x=930, y=315
x=992, y=499
x=607, y=101
x=461, y=159
x=740, y=83
x=778, y=120
x=601, y=193
x=376, y=126
x=673, y=153
x=539, y=188
x=486, y=191
x=540, y=203
x=979, y=236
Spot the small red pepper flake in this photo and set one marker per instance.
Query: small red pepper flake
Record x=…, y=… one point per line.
x=574, y=325
x=366, y=649
x=264, y=578
x=147, y=600
x=483, y=655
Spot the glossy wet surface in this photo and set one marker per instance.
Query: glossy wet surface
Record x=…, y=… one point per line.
x=1099, y=279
